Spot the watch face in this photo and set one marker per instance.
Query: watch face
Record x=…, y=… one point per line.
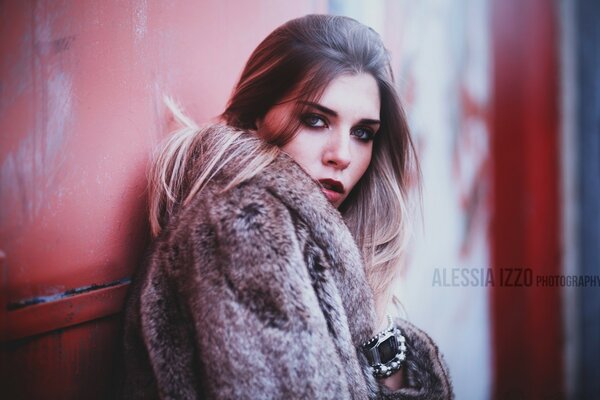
x=388, y=349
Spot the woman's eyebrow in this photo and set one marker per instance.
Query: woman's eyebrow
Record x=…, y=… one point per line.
x=330, y=112
x=319, y=107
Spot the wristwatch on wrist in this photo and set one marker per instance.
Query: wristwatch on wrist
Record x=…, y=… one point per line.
x=386, y=351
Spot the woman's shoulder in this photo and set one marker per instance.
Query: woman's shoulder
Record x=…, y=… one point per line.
x=425, y=371
x=280, y=188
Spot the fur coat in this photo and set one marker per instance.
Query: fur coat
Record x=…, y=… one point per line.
x=260, y=292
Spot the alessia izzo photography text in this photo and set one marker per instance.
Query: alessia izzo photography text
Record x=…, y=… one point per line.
x=507, y=277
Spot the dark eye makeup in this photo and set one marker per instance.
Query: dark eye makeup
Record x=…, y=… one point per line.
x=363, y=133
x=317, y=121
x=314, y=120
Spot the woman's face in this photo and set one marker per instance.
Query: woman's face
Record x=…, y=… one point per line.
x=335, y=141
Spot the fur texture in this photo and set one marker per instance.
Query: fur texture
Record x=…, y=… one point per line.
x=260, y=292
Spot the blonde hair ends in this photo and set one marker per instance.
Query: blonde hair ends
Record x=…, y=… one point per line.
x=192, y=155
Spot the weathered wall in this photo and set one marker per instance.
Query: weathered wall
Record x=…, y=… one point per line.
x=445, y=78
x=81, y=84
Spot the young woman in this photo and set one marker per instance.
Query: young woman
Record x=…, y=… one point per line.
x=279, y=232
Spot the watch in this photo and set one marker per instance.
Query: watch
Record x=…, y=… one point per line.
x=386, y=351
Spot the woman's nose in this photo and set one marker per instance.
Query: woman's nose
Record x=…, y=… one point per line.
x=337, y=151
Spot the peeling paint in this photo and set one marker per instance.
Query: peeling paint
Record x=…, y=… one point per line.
x=54, y=46
x=59, y=296
x=141, y=20
x=31, y=171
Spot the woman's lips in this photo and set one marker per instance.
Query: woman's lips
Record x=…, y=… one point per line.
x=333, y=190
x=332, y=196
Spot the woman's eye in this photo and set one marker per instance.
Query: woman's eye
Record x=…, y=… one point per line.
x=364, y=134
x=314, y=121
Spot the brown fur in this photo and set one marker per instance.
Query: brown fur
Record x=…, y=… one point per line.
x=260, y=292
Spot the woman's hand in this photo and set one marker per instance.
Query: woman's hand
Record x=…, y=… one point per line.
x=394, y=381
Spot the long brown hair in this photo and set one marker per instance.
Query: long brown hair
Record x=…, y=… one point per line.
x=303, y=56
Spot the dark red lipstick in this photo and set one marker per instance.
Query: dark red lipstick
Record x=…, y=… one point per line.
x=333, y=190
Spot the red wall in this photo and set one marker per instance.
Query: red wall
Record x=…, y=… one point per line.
x=80, y=110
x=527, y=328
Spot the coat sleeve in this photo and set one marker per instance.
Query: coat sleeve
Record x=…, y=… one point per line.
x=425, y=372
x=259, y=331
